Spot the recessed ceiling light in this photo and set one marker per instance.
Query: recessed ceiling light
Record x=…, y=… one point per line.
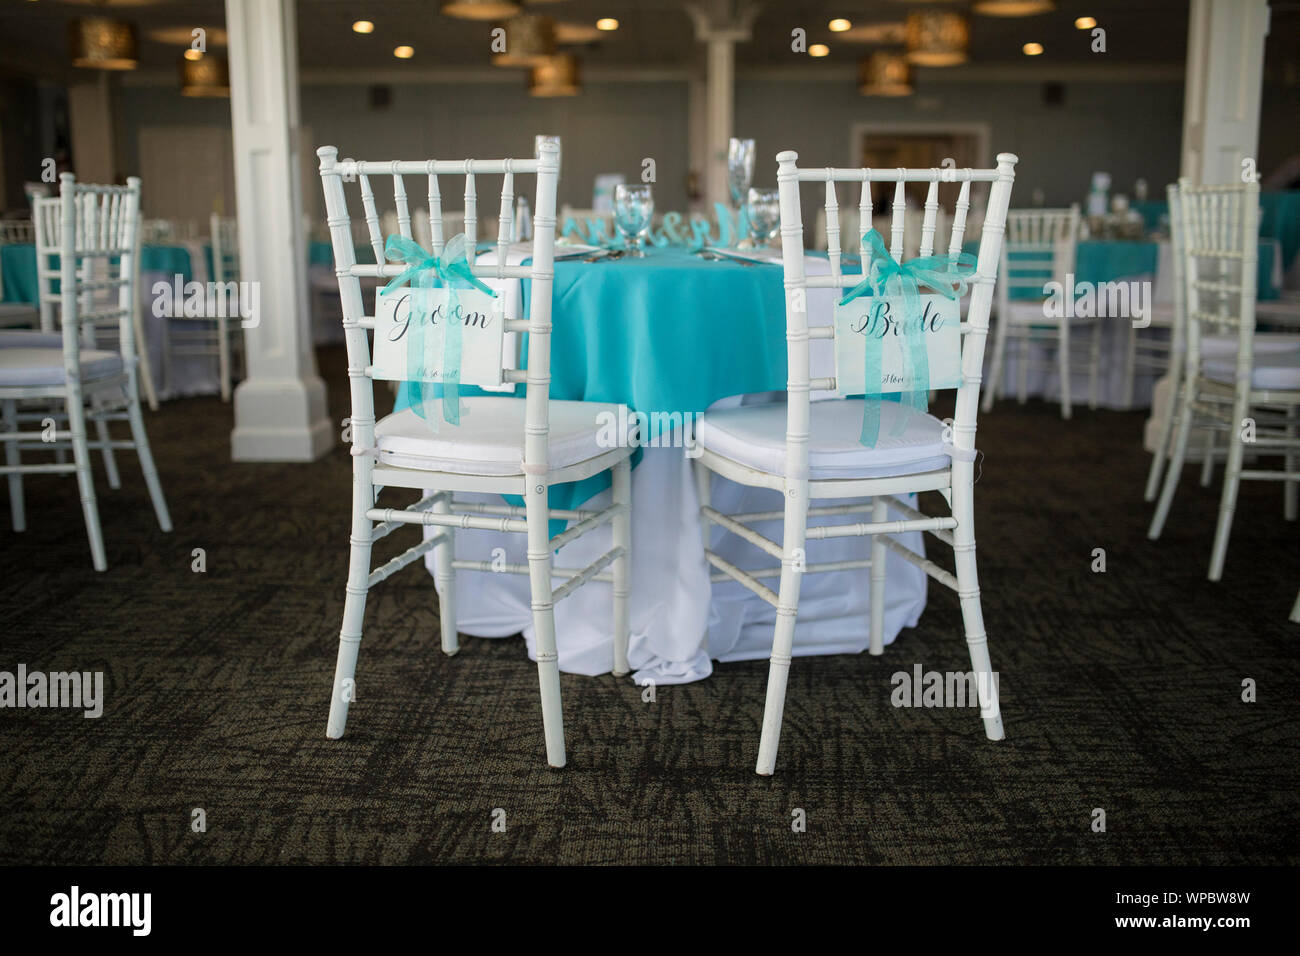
x=1032, y=49
x=363, y=26
x=192, y=54
x=839, y=25
x=606, y=23
x=1085, y=23
x=404, y=52
x=819, y=49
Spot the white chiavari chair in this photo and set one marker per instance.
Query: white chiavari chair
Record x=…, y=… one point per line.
x=212, y=334
x=820, y=455
x=505, y=445
x=94, y=230
x=1239, y=384
x=1041, y=246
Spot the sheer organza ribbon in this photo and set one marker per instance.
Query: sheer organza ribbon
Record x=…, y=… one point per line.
x=426, y=272
x=883, y=275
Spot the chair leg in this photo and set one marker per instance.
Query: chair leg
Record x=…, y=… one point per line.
x=1130, y=367
x=1094, y=367
x=543, y=600
x=1207, y=462
x=1291, y=488
x=85, y=479
x=444, y=580
x=1228, y=500
x=354, y=605
x=787, y=611
x=141, y=439
x=1163, y=443
x=968, y=592
x=1295, y=610
x=703, y=483
x=622, y=527
x=879, y=512
x=13, y=457
x=110, y=460
x=1183, y=410
x=1063, y=362
x=995, y=373
x=1022, y=392
x=223, y=357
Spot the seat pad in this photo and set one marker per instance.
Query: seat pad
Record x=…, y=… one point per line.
x=43, y=366
x=1276, y=372
x=754, y=436
x=489, y=440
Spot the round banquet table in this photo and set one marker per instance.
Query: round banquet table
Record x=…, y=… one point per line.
x=676, y=333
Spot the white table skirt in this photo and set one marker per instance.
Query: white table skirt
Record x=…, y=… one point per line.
x=679, y=621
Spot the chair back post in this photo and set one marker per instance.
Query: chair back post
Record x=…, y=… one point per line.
x=537, y=390
x=70, y=300
x=126, y=227
x=796, y=316
x=981, y=301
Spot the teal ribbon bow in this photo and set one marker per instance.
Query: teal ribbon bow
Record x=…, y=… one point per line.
x=425, y=272
x=883, y=275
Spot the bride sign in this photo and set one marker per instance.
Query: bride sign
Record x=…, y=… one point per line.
x=916, y=349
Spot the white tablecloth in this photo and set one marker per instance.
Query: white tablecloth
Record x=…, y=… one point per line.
x=680, y=622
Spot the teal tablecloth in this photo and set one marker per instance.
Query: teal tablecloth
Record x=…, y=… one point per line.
x=670, y=333
x=1109, y=260
x=18, y=266
x=320, y=253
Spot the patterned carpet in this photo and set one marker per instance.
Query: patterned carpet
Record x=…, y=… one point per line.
x=1120, y=690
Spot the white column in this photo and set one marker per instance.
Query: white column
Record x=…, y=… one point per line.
x=720, y=24
x=280, y=412
x=1221, y=105
x=90, y=121
x=1225, y=74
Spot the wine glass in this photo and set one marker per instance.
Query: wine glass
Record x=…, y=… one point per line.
x=633, y=207
x=740, y=168
x=763, y=207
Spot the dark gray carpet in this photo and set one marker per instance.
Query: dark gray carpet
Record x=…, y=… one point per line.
x=1120, y=691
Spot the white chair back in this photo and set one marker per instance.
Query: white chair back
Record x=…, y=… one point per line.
x=225, y=249
x=974, y=329
x=356, y=320
x=17, y=231
x=1041, y=246
x=93, y=230
x=1219, y=254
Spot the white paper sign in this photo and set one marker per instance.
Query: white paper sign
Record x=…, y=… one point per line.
x=483, y=323
x=883, y=317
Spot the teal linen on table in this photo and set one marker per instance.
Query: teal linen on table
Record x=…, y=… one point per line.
x=1109, y=260
x=670, y=332
x=18, y=266
x=320, y=253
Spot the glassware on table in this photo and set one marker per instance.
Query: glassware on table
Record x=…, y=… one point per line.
x=763, y=207
x=740, y=172
x=634, y=205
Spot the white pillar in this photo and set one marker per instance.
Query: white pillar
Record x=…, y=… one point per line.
x=1221, y=104
x=720, y=24
x=1225, y=74
x=90, y=122
x=280, y=412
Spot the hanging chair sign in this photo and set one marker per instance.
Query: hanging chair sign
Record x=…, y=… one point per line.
x=912, y=344
x=411, y=336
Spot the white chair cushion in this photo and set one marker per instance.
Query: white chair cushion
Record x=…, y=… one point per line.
x=27, y=366
x=1030, y=312
x=1219, y=347
x=30, y=339
x=1278, y=372
x=490, y=438
x=754, y=436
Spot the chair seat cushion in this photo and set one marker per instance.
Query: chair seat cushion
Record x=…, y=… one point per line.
x=30, y=339
x=1217, y=347
x=37, y=366
x=1277, y=372
x=490, y=438
x=754, y=436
